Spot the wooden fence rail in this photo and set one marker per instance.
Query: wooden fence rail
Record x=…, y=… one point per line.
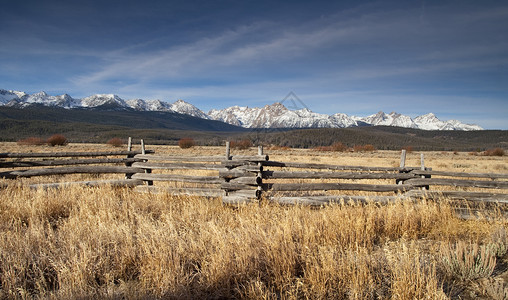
x=236, y=170
x=457, y=174
x=70, y=170
x=409, y=182
x=68, y=154
x=244, y=178
x=14, y=165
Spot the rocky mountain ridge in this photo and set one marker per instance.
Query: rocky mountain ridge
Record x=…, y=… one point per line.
x=270, y=116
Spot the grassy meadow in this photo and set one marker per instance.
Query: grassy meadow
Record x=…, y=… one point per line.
x=113, y=243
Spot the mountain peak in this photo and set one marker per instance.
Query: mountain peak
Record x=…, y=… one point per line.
x=40, y=94
x=103, y=100
x=6, y=96
x=185, y=108
x=274, y=115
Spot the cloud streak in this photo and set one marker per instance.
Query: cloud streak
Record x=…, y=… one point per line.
x=373, y=53
x=229, y=51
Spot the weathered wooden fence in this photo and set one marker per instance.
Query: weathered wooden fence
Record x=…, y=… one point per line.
x=229, y=177
x=240, y=178
x=308, y=183
x=19, y=165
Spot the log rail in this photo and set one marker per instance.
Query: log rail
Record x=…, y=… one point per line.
x=245, y=178
x=17, y=165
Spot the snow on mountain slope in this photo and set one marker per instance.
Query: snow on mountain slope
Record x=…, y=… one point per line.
x=103, y=100
x=278, y=116
x=148, y=105
x=431, y=122
x=392, y=119
x=64, y=100
x=270, y=116
x=457, y=125
x=344, y=120
x=228, y=115
x=185, y=108
x=8, y=96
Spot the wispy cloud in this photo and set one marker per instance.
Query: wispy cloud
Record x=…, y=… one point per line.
x=241, y=50
x=365, y=57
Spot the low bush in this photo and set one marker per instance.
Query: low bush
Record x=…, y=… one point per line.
x=494, y=152
x=468, y=261
x=115, y=142
x=57, y=140
x=31, y=141
x=338, y=147
x=409, y=149
x=186, y=143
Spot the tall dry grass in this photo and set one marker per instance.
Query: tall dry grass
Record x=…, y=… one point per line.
x=113, y=243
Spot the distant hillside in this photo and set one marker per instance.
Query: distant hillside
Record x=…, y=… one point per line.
x=129, y=118
x=89, y=125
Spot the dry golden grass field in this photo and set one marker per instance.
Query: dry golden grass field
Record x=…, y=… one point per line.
x=114, y=243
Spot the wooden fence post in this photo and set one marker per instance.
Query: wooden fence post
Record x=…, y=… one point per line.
x=403, y=158
x=228, y=151
x=422, y=167
x=148, y=171
x=129, y=144
x=129, y=164
x=228, y=157
x=402, y=165
x=260, y=174
x=260, y=150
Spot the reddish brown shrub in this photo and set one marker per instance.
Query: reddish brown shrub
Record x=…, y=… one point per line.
x=494, y=152
x=186, y=143
x=338, y=146
x=115, y=142
x=369, y=148
x=409, y=149
x=240, y=145
x=31, y=141
x=57, y=140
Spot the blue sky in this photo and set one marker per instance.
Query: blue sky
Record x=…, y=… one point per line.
x=354, y=57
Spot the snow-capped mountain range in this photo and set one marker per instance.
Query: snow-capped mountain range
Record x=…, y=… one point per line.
x=269, y=116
